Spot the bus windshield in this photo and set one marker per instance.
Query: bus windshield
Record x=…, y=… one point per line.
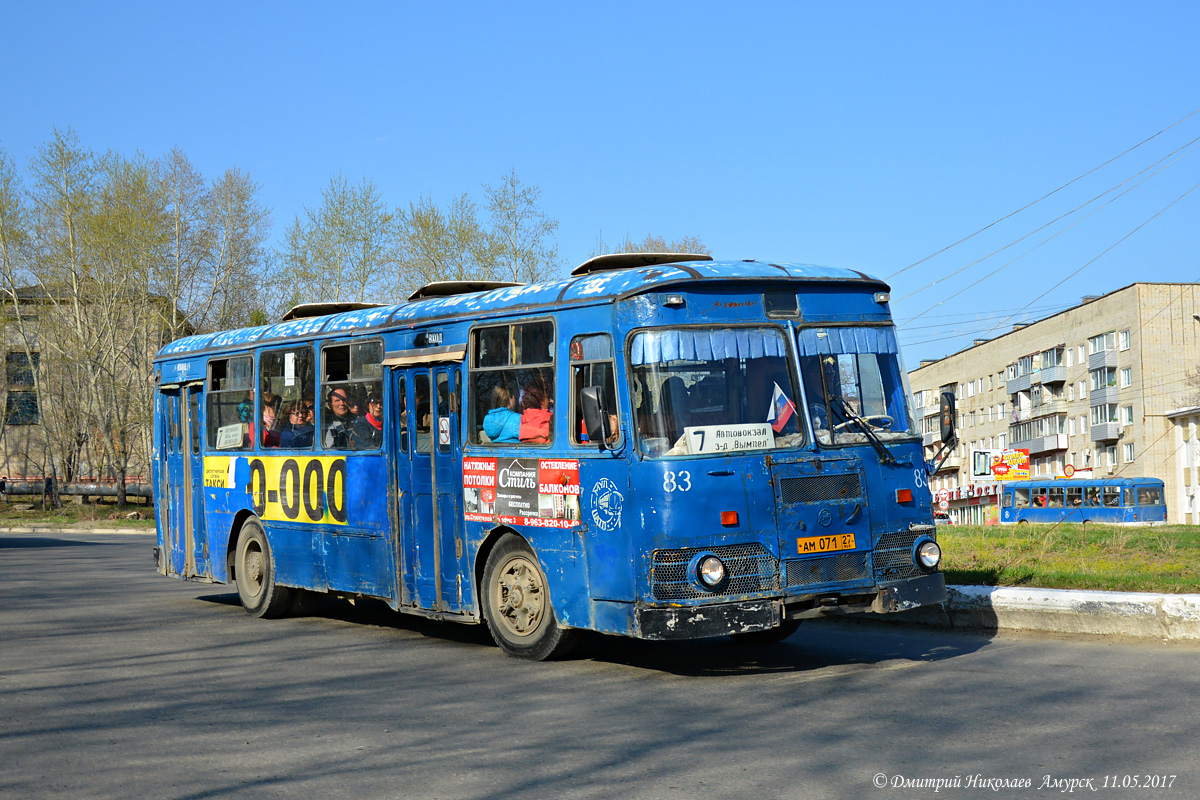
x=853, y=377
x=713, y=390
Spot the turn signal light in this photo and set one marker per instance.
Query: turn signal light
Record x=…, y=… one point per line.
x=904, y=495
x=729, y=518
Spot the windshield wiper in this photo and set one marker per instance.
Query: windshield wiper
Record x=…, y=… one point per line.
x=885, y=455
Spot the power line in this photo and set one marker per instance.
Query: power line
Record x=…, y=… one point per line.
x=1050, y=238
x=1045, y=196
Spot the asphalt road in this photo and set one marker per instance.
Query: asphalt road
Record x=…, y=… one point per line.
x=115, y=682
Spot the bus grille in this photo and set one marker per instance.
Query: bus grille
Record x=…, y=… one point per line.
x=827, y=569
x=893, y=555
x=751, y=569
x=819, y=488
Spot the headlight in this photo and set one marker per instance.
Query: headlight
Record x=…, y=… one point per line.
x=711, y=572
x=929, y=555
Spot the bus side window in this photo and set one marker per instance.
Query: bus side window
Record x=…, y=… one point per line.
x=1007, y=500
x=286, y=381
x=1022, y=498
x=230, y=418
x=1074, y=497
x=592, y=365
x=1112, y=496
x=1055, y=498
x=511, y=386
x=1091, y=498
x=423, y=412
x=402, y=405
x=1127, y=497
x=352, y=388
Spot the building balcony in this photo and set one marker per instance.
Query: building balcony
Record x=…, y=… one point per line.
x=930, y=411
x=1106, y=432
x=1103, y=395
x=1042, y=444
x=951, y=464
x=1020, y=384
x=1054, y=374
x=928, y=439
x=1105, y=358
x=1048, y=408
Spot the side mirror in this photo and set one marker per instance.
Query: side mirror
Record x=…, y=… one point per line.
x=946, y=413
x=595, y=414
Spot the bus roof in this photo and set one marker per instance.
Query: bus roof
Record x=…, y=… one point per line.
x=1077, y=482
x=596, y=287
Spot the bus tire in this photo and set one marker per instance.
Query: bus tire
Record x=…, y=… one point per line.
x=775, y=635
x=254, y=573
x=516, y=604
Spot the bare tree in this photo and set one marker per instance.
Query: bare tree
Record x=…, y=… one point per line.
x=445, y=245
x=653, y=244
x=349, y=249
x=521, y=244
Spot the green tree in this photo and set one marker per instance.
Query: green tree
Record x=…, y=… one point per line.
x=653, y=244
x=521, y=242
x=347, y=250
x=447, y=245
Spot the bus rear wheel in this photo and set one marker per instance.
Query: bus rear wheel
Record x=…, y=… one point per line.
x=782, y=631
x=254, y=573
x=516, y=604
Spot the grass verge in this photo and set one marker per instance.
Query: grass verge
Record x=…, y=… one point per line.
x=97, y=514
x=1104, y=557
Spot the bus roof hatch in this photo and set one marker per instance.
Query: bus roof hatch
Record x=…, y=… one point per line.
x=450, y=288
x=614, y=261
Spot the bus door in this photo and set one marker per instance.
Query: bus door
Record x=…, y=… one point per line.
x=433, y=549
x=185, y=545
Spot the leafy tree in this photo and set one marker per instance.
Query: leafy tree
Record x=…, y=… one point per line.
x=445, y=245
x=520, y=242
x=349, y=249
x=654, y=244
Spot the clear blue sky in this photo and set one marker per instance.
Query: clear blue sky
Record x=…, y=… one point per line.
x=864, y=135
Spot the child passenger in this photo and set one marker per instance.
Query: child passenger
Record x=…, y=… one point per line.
x=502, y=423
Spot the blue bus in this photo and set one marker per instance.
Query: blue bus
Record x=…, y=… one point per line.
x=658, y=446
x=1115, y=501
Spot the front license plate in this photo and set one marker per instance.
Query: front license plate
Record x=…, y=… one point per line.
x=825, y=544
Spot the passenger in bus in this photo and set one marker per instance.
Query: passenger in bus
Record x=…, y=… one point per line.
x=502, y=423
x=271, y=423
x=535, y=414
x=298, y=430
x=338, y=421
x=373, y=421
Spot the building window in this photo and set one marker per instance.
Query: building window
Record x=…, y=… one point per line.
x=1083, y=424
x=21, y=404
x=1126, y=377
x=1127, y=415
x=1071, y=392
x=1070, y=356
x=1071, y=426
x=1103, y=342
x=1103, y=414
x=1002, y=441
x=971, y=389
x=1128, y=454
x=1124, y=340
x=1104, y=377
x=1081, y=356
x=1110, y=455
x=1083, y=390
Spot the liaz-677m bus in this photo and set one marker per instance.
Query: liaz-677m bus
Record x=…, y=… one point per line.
x=659, y=446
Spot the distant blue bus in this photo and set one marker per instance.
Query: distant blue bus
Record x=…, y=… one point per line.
x=1114, y=501
x=658, y=446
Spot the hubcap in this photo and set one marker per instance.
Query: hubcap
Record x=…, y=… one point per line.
x=252, y=570
x=519, y=596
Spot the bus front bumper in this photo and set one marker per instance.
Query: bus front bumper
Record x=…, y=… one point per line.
x=697, y=622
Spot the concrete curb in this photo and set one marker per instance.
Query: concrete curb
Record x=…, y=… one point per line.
x=61, y=529
x=1136, y=614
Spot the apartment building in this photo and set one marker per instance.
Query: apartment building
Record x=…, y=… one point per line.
x=1091, y=387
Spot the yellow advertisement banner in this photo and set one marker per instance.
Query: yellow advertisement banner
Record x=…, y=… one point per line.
x=287, y=488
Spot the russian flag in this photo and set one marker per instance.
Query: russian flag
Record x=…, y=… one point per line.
x=781, y=409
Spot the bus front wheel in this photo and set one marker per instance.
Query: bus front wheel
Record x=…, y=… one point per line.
x=254, y=573
x=516, y=604
x=771, y=635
